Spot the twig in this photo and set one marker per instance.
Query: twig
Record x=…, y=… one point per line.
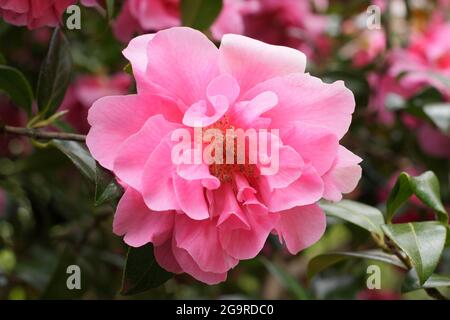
x=45, y=135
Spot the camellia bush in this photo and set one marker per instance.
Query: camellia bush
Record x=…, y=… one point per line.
x=251, y=149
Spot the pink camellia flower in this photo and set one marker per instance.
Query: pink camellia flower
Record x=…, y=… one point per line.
x=386, y=90
x=430, y=139
x=86, y=90
x=426, y=61
x=33, y=13
x=433, y=142
x=366, y=47
x=138, y=16
x=202, y=218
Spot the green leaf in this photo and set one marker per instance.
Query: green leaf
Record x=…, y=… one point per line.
x=439, y=113
x=200, y=14
x=106, y=187
x=289, y=282
x=422, y=242
x=16, y=86
x=399, y=194
x=2, y=59
x=111, y=192
x=80, y=156
x=412, y=283
x=324, y=261
x=425, y=187
x=54, y=76
x=360, y=214
x=142, y=272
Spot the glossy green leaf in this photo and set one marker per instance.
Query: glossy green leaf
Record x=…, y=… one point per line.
x=425, y=187
x=106, y=187
x=16, y=86
x=142, y=272
x=360, y=214
x=422, y=242
x=399, y=194
x=54, y=76
x=324, y=261
x=80, y=156
x=200, y=14
x=291, y=284
x=412, y=283
x=112, y=191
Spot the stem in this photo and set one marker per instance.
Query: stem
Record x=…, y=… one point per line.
x=45, y=135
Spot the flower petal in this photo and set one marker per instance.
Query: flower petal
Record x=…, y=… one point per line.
x=189, y=266
x=306, y=190
x=300, y=227
x=114, y=119
x=201, y=240
x=308, y=100
x=139, y=224
x=157, y=182
x=251, y=61
x=136, y=53
x=135, y=151
x=191, y=197
x=182, y=61
x=343, y=177
x=246, y=243
x=314, y=144
x=165, y=257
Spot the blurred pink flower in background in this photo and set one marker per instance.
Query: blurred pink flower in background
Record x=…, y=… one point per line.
x=378, y=295
x=12, y=116
x=139, y=16
x=289, y=23
x=433, y=142
x=202, y=219
x=383, y=89
x=86, y=90
x=33, y=13
x=426, y=60
x=430, y=139
x=369, y=45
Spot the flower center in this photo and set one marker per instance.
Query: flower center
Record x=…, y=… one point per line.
x=224, y=169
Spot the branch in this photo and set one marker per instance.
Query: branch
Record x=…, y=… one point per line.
x=43, y=135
